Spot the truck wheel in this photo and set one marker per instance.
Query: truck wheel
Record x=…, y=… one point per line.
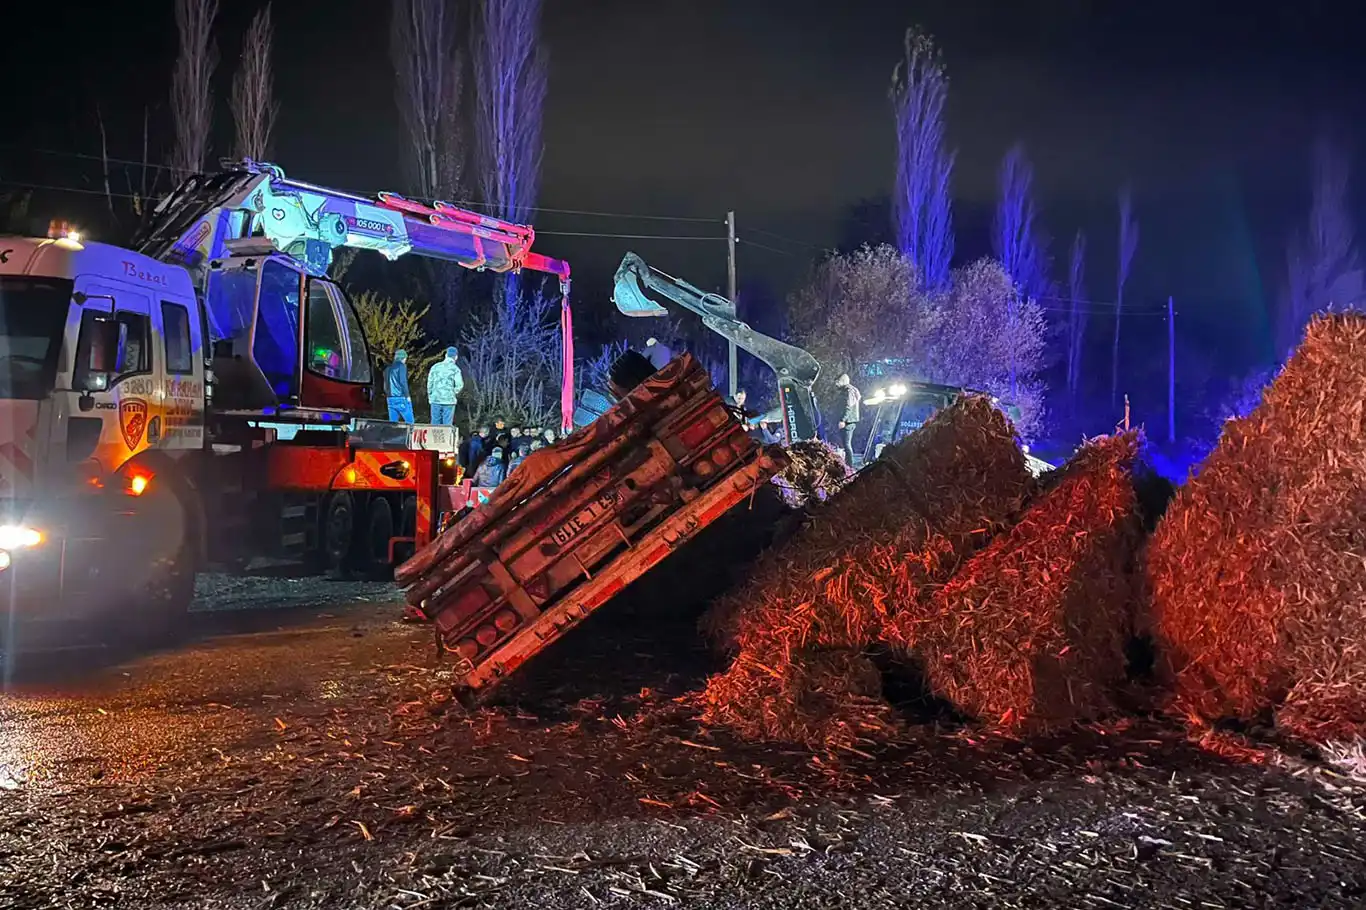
x=339, y=525
x=165, y=596
x=170, y=590
x=373, y=557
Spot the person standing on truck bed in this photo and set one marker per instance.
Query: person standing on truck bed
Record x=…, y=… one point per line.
x=850, y=417
x=444, y=384
x=396, y=389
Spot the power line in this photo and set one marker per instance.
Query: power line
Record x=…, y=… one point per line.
x=812, y=246
x=764, y=246
x=1161, y=313
x=64, y=189
x=1108, y=305
x=100, y=192
x=625, y=236
x=464, y=203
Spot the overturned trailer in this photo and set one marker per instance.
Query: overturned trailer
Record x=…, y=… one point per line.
x=579, y=521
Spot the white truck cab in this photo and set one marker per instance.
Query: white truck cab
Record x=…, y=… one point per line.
x=101, y=358
x=102, y=380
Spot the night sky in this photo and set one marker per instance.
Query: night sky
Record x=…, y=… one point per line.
x=778, y=110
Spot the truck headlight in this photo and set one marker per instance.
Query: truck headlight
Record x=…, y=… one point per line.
x=19, y=537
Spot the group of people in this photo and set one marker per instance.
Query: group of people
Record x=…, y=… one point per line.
x=850, y=417
x=492, y=453
x=445, y=382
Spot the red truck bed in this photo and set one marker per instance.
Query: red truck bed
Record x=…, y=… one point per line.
x=579, y=521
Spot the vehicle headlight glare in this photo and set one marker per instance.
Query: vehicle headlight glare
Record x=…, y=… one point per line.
x=19, y=537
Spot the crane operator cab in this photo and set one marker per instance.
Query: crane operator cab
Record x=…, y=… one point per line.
x=284, y=339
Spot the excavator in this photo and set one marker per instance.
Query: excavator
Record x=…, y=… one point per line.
x=796, y=369
x=195, y=397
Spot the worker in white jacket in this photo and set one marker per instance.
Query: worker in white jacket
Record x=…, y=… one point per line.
x=444, y=384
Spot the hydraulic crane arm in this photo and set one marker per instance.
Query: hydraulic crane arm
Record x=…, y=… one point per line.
x=797, y=370
x=252, y=207
x=203, y=218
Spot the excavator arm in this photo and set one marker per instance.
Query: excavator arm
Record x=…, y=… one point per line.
x=796, y=369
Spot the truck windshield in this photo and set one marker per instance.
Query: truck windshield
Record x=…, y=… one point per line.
x=32, y=316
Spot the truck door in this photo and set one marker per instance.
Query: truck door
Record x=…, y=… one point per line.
x=128, y=398
x=181, y=353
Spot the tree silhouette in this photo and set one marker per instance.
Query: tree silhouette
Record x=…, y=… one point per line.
x=253, y=91
x=192, y=85
x=923, y=211
x=1323, y=265
x=510, y=87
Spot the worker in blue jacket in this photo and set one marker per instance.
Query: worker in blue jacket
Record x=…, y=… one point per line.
x=396, y=389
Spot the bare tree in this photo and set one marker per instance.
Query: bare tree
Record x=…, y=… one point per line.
x=1017, y=240
x=1076, y=312
x=510, y=80
x=191, y=85
x=512, y=362
x=988, y=338
x=923, y=209
x=1128, y=245
x=1323, y=264
x=253, y=94
x=424, y=47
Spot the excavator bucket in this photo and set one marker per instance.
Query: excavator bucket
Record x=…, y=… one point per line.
x=630, y=297
x=576, y=523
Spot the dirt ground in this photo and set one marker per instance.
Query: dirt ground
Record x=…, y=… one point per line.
x=310, y=756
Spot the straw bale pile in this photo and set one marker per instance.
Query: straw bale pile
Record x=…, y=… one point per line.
x=932, y=499
x=1257, y=572
x=1030, y=632
x=815, y=472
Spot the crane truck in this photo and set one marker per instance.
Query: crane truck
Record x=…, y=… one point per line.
x=192, y=397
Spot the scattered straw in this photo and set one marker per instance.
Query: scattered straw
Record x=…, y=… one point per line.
x=1257, y=570
x=822, y=699
x=815, y=472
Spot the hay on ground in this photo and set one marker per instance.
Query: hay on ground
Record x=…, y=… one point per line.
x=1030, y=632
x=1257, y=576
x=819, y=699
x=815, y=472
x=932, y=499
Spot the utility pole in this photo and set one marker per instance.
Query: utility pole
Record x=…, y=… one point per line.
x=1171, y=371
x=733, y=370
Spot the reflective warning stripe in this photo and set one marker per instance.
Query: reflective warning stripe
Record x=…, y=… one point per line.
x=14, y=458
x=365, y=473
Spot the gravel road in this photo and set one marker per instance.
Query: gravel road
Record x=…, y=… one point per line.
x=310, y=756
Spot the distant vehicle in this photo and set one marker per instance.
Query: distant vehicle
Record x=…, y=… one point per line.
x=894, y=408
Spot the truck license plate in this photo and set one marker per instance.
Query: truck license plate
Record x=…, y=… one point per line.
x=566, y=532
